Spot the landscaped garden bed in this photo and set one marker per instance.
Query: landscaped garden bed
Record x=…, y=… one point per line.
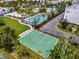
x=68, y=27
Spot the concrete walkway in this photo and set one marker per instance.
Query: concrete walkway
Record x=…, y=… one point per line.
x=50, y=27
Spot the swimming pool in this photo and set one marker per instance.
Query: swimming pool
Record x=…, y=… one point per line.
x=48, y=10
x=36, y=19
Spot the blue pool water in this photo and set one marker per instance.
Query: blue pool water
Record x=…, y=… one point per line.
x=36, y=19
x=48, y=9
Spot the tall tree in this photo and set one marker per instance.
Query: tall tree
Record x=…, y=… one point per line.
x=65, y=50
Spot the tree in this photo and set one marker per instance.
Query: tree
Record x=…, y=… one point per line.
x=65, y=50
x=2, y=23
x=23, y=53
x=8, y=41
x=1, y=40
x=64, y=24
x=7, y=37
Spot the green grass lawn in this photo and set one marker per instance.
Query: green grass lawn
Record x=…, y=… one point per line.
x=59, y=27
x=14, y=24
x=2, y=52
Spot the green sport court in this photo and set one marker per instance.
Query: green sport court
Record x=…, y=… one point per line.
x=39, y=42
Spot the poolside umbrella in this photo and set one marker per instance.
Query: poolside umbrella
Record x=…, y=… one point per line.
x=3, y=57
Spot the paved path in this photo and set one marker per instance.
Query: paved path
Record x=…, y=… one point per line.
x=50, y=27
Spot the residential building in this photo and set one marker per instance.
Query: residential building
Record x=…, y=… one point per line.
x=6, y=0
x=72, y=13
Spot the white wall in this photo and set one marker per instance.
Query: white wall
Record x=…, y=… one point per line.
x=72, y=14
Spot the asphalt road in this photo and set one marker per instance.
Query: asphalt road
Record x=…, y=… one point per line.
x=50, y=27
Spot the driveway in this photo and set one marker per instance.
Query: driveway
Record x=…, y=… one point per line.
x=50, y=27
